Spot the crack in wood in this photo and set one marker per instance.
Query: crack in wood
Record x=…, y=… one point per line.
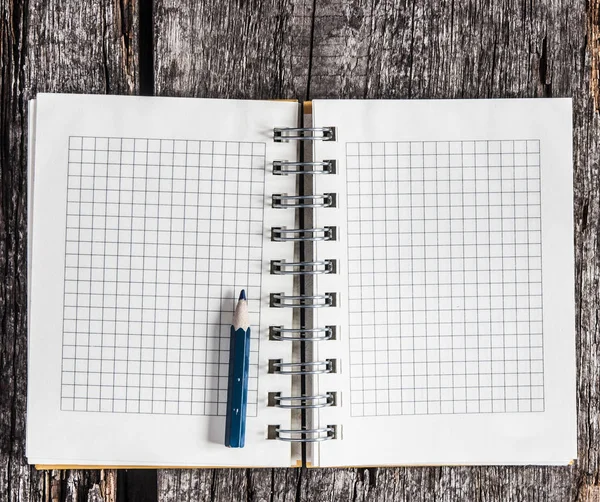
x=593, y=40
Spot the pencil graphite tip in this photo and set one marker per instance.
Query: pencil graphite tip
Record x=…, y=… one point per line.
x=240, y=316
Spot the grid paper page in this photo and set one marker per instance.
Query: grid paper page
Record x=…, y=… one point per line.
x=451, y=215
x=161, y=236
x=444, y=284
x=191, y=213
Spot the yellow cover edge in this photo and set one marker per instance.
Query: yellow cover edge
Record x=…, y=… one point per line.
x=41, y=467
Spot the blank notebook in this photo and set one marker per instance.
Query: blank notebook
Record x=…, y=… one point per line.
x=408, y=265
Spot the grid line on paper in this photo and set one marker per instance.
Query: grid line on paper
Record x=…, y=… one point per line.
x=437, y=278
x=398, y=407
x=411, y=334
x=115, y=391
x=153, y=291
x=206, y=356
x=462, y=241
x=385, y=406
x=446, y=237
x=145, y=317
x=503, y=298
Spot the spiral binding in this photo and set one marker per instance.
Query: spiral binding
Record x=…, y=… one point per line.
x=302, y=435
x=285, y=167
x=281, y=134
x=284, y=201
x=302, y=334
x=281, y=300
x=281, y=267
x=302, y=402
x=303, y=234
x=306, y=368
x=303, y=268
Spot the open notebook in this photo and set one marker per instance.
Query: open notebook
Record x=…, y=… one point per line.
x=409, y=275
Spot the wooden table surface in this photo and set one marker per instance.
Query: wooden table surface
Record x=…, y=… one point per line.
x=299, y=49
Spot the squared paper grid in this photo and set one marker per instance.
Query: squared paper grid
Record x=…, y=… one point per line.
x=161, y=236
x=445, y=281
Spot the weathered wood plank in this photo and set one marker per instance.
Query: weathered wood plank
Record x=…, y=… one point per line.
x=446, y=49
x=446, y=484
x=259, y=485
x=61, y=46
x=231, y=49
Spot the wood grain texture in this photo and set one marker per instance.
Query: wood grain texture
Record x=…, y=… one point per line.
x=594, y=49
x=273, y=485
x=59, y=46
x=256, y=49
x=407, y=49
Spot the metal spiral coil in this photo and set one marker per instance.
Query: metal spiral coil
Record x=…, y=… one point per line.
x=285, y=167
x=281, y=267
x=302, y=368
x=303, y=268
x=302, y=435
x=284, y=134
x=282, y=234
x=281, y=300
x=284, y=201
x=302, y=334
x=301, y=402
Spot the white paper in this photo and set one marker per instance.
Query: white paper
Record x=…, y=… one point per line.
x=456, y=312
x=150, y=215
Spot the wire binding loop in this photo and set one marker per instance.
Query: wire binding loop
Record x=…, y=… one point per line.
x=281, y=234
x=284, y=134
x=305, y=368
x=302, y=435
x=284, y=201
x=280, y=333
x=285, y=167
x=301, y=402
x=281, y=267
x=281, y=300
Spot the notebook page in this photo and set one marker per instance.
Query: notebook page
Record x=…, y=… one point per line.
x=456, y=306
x=150, y=217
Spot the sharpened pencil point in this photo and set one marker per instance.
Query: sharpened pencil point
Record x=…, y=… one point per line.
x=243, y=295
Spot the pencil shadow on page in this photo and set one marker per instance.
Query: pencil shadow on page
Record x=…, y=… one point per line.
x=216, y=398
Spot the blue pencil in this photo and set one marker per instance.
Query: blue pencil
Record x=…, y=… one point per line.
x=237, y=385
